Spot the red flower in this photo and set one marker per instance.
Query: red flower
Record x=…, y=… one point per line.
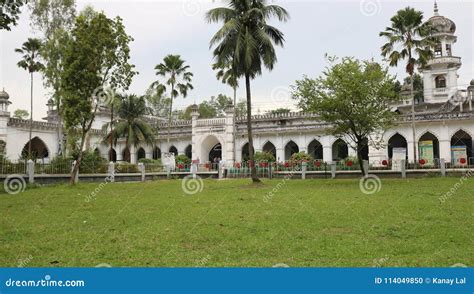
x=206, y=165
x=317, y=163
x=422, y=161
x=287, y=164
x=385, y=162
x=263, y=164
x=349, y=163
x=462, y=160
x=237, y=165
x=180, y=166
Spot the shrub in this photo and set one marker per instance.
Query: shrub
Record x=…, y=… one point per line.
x=92, y=162
x=125, y=167
x=149, y=161
x=300, y=157
x=182, y=159
x=264, y=156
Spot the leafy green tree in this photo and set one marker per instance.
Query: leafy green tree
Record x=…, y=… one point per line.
x=30, y=62
x=54, y=18
x=9, y=13
x=95, y=64
x=178, y=79
x=409, y=38
x=241, y=109
x=21, y=114
x=354, y=98
x=227, y=74
x=246, y=40
x=130, y=124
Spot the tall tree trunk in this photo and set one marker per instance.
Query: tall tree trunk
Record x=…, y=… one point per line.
x=75, y=170
x=31, y=116
x=170, y=116
x=413, y=119
x=360, y=146
x=111, y=132
x=235, y=123
x=253, y=171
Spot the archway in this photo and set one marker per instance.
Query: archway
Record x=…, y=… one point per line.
x=461, y=139
x=210, y=148
x=427, y=140
x=215, y=155
x=38, y=149
x=173, y=150
x=189, y=152
x=3, y=147
x=126, y=155
x=112, y=155
x=315, y=149
x=270, y=148
x=290, y=149
x=340, y=150
x=397, y=141
x=156, y=153
x=141, y=153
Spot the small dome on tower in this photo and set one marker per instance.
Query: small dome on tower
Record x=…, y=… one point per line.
x=472, y=82
x=4, y=95
x=442, y=24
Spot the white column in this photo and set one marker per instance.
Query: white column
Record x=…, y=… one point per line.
x=327, y=153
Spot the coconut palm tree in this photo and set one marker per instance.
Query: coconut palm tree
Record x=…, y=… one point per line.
x=178, y=80
x=30, y=62
x=410, y=39
x=247, y=41
x=130, y=123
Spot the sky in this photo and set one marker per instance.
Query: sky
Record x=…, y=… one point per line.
x=340, y=28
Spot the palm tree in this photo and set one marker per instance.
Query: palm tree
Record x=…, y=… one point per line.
x=130, y=123
x=178, y=79
x=409, y=38
x=247, y=41
x=30, y=50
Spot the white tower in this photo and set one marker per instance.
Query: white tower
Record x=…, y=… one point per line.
x=440, y=77
x=4, y=118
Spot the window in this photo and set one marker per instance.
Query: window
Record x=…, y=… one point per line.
x=448, y=49
x=438, y=50
x=440, y=82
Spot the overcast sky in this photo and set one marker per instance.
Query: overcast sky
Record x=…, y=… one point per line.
x=342, y=28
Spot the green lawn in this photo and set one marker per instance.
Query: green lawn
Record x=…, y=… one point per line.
x=316, y=223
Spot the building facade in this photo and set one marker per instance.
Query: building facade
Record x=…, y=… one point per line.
x=444, y=123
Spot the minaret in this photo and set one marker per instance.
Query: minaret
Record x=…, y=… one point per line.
x=440, y=77
x=4, y=118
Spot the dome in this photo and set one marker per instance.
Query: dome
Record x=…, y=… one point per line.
x=472, y=82
x=442, y=24
x=4, y=95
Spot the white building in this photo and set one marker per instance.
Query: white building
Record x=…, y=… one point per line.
x=445, y=118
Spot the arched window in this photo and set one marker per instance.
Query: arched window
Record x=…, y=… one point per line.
x=112, y=155
x=397, y=141
x=270, y=148
x=126, y=155
x=428, y=147
x=245, y=152
x=173, y=150
x=189, y=151
x=141, y=153
x=156, y=153
x=38, y=149
x=340, y=150
x=462, y=140
x=440, y=82
x=290, y=149
x=438, y=50
x=315, y=149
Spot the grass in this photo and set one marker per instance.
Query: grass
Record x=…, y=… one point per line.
x=317, y=223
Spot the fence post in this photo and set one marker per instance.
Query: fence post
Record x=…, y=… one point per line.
x=333, y=170
x=219, y=170
x=304, y=167
x=30, y=168
x=111, y=171
x=194, y=170
x=365, y=164
x=76, y=178
x=270, y=170
x=442, y=165
x=141, y=168
x=403, y=168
